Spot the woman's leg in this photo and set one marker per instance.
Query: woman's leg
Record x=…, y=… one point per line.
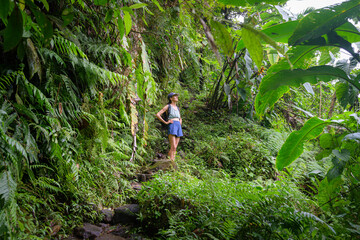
x=177, y=140
x=172, y=151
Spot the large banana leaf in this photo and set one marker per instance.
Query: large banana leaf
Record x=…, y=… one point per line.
x=275, y=84
x=222, y=37
x=297, y=77
x=294, y=145
x=263, y=101
x=253, y=45
x=320, y=22
x=281, y=32
x=349, y=32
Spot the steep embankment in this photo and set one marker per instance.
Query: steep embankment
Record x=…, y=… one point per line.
x=224, y=185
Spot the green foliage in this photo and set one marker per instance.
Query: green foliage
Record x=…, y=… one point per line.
x=322, y=21
x=252, y=43
x=234, y=146
x=14, y=30
x=77, y=85
x=222, y=38
x=250, y=2
x=293, y=147
x=273, y=86
x=177, y=205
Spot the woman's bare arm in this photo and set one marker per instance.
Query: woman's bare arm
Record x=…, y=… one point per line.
x=158, y=115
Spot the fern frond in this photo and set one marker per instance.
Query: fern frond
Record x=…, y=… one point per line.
x=65, y=46
x=103, y=75
x=54, y=122
x=70, y=87
x=6, y=123
x=7, y=186
x=88, y=116
x=6, y=80
x=26, y=111
x=315, y=218
x=48, y=183
x=41, y=129
x=36, y=166
x=12, y=142
x=51, y=55
x=101, y=50
x=37, y=95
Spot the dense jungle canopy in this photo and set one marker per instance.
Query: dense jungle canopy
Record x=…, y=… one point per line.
x=269, y=102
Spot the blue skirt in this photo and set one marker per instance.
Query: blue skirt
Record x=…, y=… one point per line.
x=175, y=129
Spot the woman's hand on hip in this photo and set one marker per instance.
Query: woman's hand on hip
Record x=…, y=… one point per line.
x=170, y=121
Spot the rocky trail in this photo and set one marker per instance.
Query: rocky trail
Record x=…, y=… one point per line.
x=116, y=224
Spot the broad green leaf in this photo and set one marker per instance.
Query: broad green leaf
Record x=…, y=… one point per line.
x=14, y=30
x=265, y=38
x=222, y=37
x=4, y=9
x=339, y=162
x=333, y=39
x=100, y=2
x=67, y=16
x=342, y=93
x=45, y=3
x=243, y=3
x=322, y=21
x=44, y=23
x=349, y=32
x=140, y=86
x=326, y=141
x=127, y=9
x=294, y=144
x=138, y=5
x=344, y=156
x=266, y=100
x=299, y=76
x=158, y=5
x=323, y=154
x=128, y=22
x=328, y=191
x=121, y=27
x=281, y=32
x=304, y=56
x=240, y=45
x=253, y=45
x=270, y=84
x=109, y=15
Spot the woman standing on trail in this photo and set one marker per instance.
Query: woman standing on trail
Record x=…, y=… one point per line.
x=174, y=123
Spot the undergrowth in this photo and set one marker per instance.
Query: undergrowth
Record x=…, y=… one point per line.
x=218, y=206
